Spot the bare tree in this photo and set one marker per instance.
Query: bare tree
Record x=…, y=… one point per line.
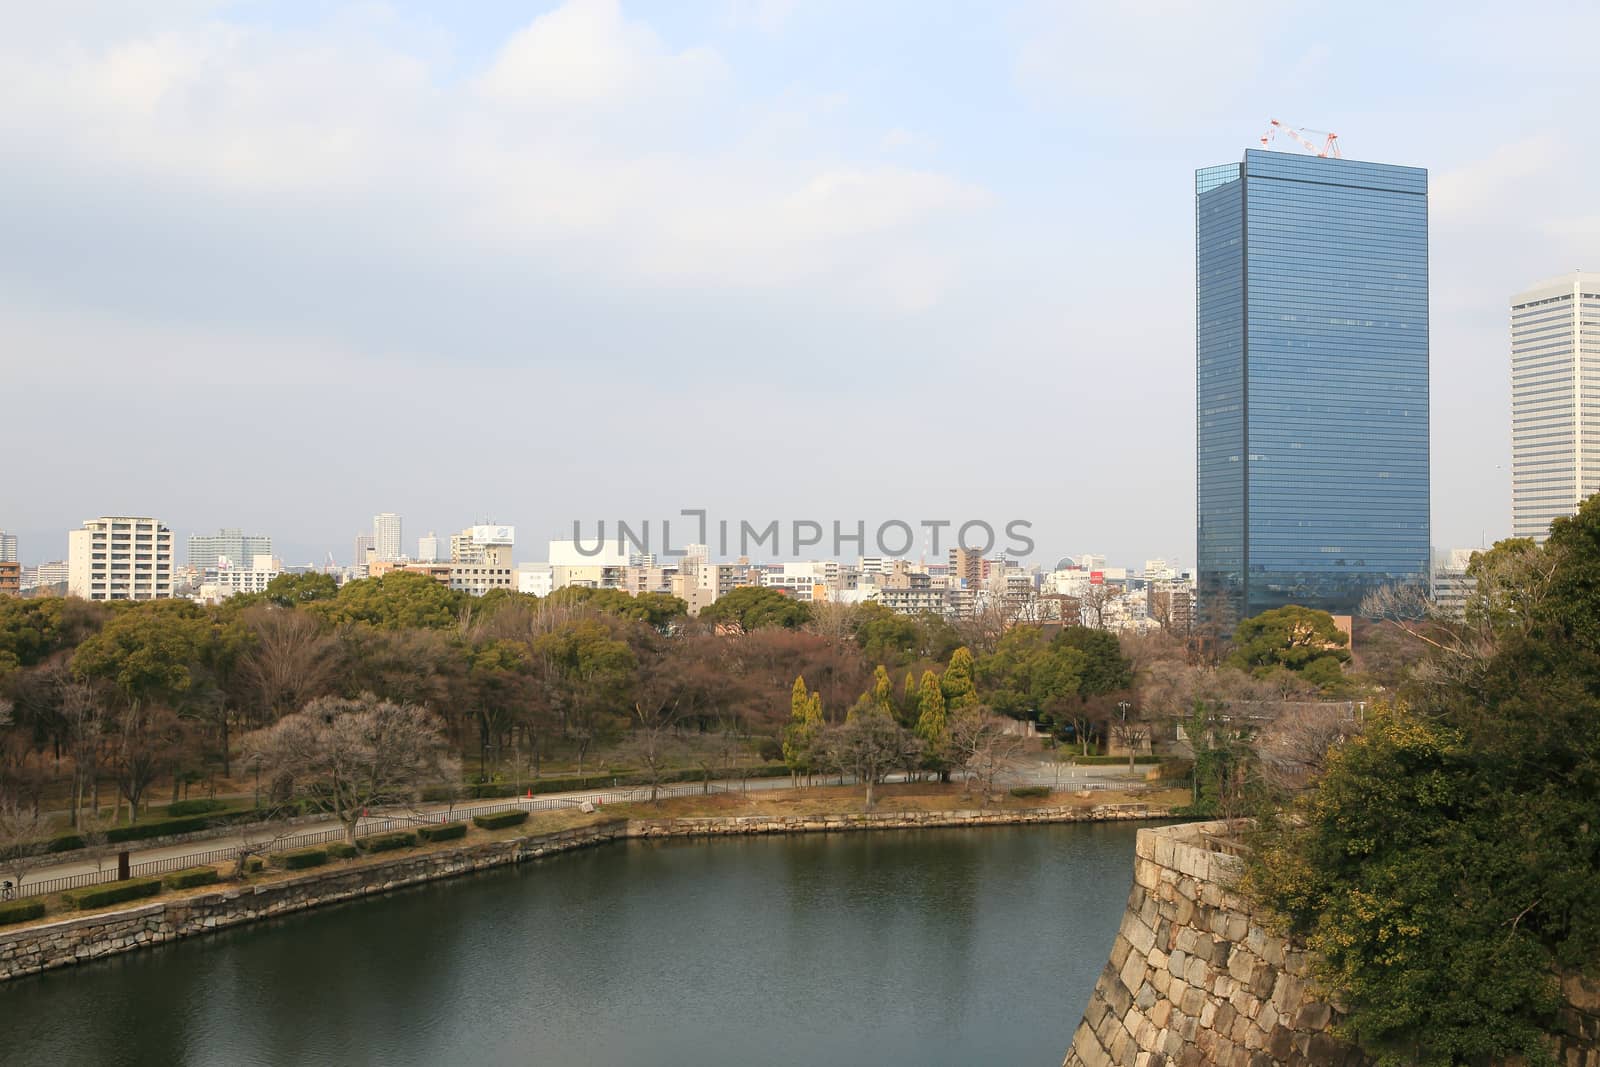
x=355, y=754
x=653, y=743
x=869, y=745
x=292, y=661
x=24, y=837
x=1293, y=748
x=984, y=745
x=258, y=838
x=1094, y=602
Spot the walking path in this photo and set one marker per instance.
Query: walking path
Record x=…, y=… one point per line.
x=209, y=848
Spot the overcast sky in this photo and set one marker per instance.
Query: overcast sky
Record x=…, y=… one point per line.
x=284, y=265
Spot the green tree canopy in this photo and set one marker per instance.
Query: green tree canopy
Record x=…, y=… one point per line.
x=753, y=607
x=1292, y=638
x=400, y=600
x=1105, y=668
x=1027, y=672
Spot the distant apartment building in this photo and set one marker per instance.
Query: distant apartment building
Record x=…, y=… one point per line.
x=229, y=581
x=120, y=557
x=428, y=548
x=45, y=575
x=1451, y=586
x=470, y=544
x=365, y=553
x=206, y=551
x=535, y=579
x=10, y=577
x=1169, y=602
x=8, y=547
x=386, y=536
x=1555, y=401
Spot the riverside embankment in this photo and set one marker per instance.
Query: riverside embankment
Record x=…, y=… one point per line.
x=1195, y=976
x=66, y=941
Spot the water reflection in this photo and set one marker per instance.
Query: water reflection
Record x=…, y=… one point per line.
x=937, y=947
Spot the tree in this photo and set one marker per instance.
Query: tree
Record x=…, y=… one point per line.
x=399, y=600
x=356, y=754
x=652, y=743
x=586, y=671
x=803, y=734
x=753, y=607
x=984, y=745
x=868, y=746
x=500, y=683
x=1027, y=671
x=1105, y=669
x=960, y=691
x=24, y=836
x=291, y=661
x=933, y=728
x=1293, y=638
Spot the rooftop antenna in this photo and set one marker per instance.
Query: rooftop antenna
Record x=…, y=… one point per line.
x=1329, y=146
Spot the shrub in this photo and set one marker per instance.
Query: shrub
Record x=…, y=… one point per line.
x=499, y=820
x=141, y=831
x=100, y=895
x=386, y=842
x=301, y=858
x=20, y=911
x=199, y=806
x=254, y=864
x=443, y=832
x=1030, y=791
x=65, y=843
x=343, y=850
x=190, y=877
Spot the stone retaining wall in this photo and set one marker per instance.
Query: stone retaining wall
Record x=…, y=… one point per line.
x=1194, y=978
x=63, y=942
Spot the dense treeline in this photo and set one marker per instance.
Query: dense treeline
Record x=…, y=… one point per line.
x=1446, y=866
x=138, y=697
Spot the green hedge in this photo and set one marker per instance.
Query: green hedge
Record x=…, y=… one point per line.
x=300, y=858
x=254, y=864
x=190, y=877
x=115, y=893
x=1031, y=791
x=20, y=911
x=343, y=850
x=448, y=831
x=499, y=820
x=386, y=842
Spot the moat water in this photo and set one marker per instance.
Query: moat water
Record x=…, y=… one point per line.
x=924, y=947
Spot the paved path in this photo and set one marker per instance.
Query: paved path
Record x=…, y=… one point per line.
x=1070, y=778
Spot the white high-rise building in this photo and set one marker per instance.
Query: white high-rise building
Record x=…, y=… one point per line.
x=428, y=548
x=386, y=537
x=8, y=547
x=1555, y=401
x=120, y=557
x=206, y=551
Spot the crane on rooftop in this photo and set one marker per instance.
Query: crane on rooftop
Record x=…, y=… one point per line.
x=1329, y=146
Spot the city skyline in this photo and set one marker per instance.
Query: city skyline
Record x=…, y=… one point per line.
x=818, y=229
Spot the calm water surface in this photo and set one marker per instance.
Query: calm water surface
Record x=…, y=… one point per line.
x=927, y=947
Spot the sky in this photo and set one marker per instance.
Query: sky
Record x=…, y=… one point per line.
x=281, y=266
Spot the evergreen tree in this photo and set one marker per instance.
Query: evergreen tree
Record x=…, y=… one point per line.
x=933, y=727
x=801, y=736
x=958, y=686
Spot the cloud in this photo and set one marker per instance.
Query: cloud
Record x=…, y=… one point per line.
x=587, y=53
x=584, y=139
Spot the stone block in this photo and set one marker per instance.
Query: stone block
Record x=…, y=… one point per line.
x=1161, y=1014
x=1141, y=937
x=1262, y=981
x=1133, y=970
x=1146, y=997
x=1278, y=1042
x=1193, y=1000
x=1177, y=961
x=1161, y=980
x=1195, y=972
x=1313, y=1016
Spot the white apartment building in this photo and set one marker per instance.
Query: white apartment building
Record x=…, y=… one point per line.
x=8, y=547
x=120, y=557
x=386, y=537
x=1555, y=401
x=428, y=548
x=535, y=579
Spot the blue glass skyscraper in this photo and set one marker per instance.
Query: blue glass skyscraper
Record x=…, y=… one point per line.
x=1311, y=314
